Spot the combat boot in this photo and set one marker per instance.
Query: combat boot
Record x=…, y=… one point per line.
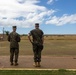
x=35, y=64
x=11, y=63
x=16, y=64
x=39, y=64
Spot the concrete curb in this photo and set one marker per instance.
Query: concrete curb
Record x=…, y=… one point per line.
x=33, y=69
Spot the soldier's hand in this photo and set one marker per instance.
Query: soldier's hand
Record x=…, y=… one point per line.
x=31, y=42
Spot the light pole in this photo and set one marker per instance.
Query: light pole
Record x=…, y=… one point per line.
x=3, y=33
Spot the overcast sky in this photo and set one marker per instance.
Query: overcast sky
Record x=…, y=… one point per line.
x=54, y=16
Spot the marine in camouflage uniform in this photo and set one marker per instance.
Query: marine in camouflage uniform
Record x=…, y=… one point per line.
x=37, y=43
x=14, y=38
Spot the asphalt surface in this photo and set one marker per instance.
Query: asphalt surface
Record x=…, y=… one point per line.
x=48, y=62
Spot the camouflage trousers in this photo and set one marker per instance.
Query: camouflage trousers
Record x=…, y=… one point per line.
x=14, y=51
x=37, y=49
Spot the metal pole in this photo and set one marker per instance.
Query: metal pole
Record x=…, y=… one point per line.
x=3, y=33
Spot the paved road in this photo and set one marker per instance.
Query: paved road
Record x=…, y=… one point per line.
x=48, y=62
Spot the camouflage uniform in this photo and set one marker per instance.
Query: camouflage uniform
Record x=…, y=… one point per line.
x=37, y=43
x=14, y=38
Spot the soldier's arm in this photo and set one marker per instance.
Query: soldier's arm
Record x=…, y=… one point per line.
x=9, y=38
x=43, y=39
x=18, y=38
x=29, y=37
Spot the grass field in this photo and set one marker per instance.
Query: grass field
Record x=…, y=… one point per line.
x=51, y=47
x=37, y=72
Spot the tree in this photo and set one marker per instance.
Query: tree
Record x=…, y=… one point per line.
x=7, y=33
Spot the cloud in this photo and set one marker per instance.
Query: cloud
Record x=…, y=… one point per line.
x=23, y=13
x=50, y=1
x=65, y=19
x=21, y=1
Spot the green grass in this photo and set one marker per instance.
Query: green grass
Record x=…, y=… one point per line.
x=51, y=47
x=37, y=72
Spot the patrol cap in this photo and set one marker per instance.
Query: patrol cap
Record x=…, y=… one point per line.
x=14, y=26
x=36, y=24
